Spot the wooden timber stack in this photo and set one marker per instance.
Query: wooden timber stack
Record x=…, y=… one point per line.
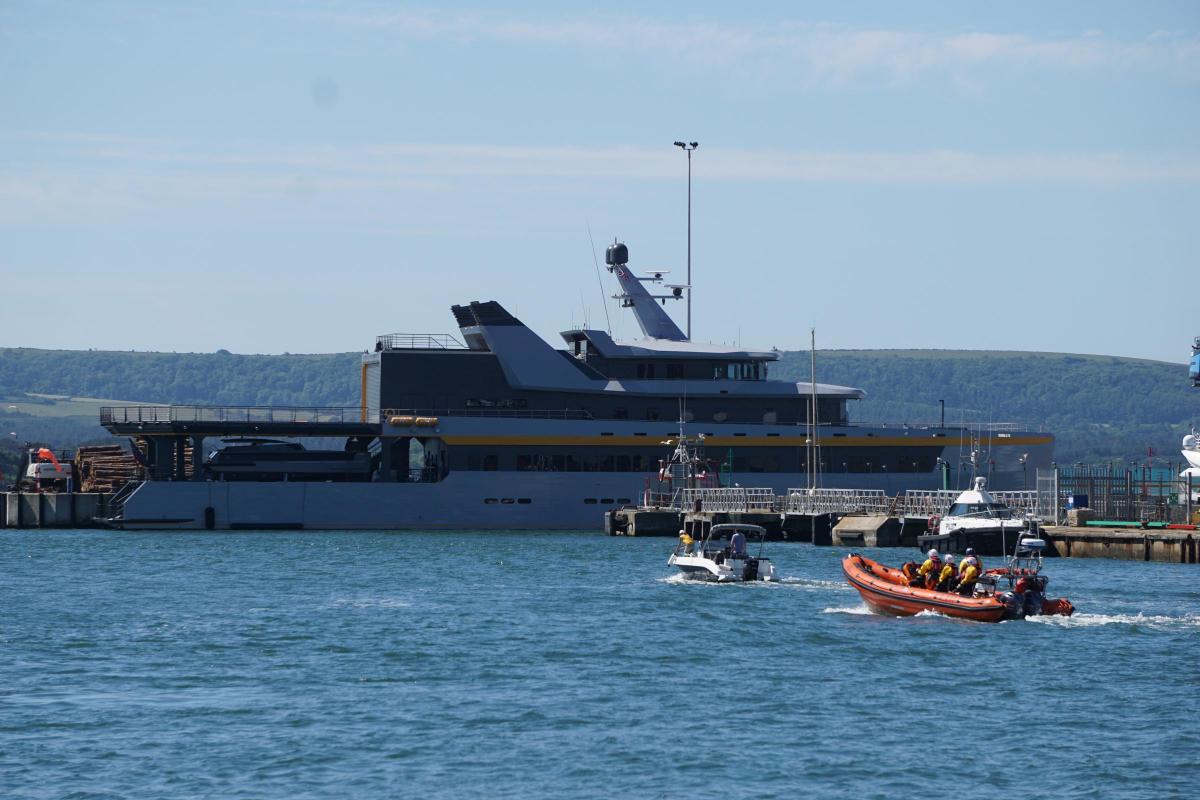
x=105, y=468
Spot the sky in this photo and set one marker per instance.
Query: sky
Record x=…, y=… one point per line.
x=303, y=176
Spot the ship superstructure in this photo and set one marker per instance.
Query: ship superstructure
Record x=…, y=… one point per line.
x=492, y=427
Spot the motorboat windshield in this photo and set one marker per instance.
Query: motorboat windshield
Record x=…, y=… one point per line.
x=984, y=510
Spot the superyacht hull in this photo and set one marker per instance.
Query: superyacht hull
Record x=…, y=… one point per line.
x=502, y=500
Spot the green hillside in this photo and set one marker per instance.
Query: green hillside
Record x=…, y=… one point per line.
x=1100, y=407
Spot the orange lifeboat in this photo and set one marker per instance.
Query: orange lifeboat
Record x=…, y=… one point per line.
x=887, y=591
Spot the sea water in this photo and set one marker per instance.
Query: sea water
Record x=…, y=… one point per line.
x=534, y=665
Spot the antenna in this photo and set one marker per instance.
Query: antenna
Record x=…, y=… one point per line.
x=599, y=280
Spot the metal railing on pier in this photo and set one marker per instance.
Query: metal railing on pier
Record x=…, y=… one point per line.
x=836, y=501
x=726, y=499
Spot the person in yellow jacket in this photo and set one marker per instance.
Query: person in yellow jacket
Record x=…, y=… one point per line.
x=685, y=541
x=946, y=578
x=927, y=573
x=969, y=571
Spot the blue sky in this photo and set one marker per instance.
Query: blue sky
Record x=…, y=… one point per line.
x=301, y=176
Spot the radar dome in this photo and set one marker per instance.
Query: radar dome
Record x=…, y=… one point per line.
x=617, y=254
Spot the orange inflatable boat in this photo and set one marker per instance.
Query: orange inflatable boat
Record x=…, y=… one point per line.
x=886, y=591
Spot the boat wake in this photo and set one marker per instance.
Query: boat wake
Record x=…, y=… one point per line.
x=369, y=602
x=815, y=585
x=860, y=610
x=1151, y=621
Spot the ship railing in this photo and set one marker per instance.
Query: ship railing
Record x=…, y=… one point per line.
x=284, y=414
x=971, y=427
x=726, y=499
x=418, y=341
x=520, y=413
x=836, y=501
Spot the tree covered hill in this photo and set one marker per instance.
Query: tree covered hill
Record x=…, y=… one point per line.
x=1099, y=407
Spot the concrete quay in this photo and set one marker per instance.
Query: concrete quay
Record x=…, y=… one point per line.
x=24, y=510
x=1124, y=544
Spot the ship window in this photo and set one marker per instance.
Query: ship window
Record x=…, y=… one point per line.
x=525, y=462
x=651, y=413
x=620, y=413
x=606, y=500
x=739, y=434
x=640, y=433
x=560, y=463
x=508, y=501
x=721, y=371
x=589, y=501
x=674, y=371
x=624, y=500
x=622, y=463
x=491, y=501
x=524, y=501
x=491, y=462
x=606, y=433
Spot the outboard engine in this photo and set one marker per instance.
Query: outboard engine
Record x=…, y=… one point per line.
x=1013, y=605
x=750, y=571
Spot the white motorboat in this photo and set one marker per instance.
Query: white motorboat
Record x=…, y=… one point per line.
x=723, y=556
x=1191, y=475
x=976, y=511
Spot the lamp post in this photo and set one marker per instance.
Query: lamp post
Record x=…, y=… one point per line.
x=688, y=147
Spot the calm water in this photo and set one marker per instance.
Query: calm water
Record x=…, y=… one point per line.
x=281, y=665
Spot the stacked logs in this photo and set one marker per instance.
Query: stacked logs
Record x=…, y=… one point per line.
x=104, y=468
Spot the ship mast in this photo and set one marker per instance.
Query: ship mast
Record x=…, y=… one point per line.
x=813, y=442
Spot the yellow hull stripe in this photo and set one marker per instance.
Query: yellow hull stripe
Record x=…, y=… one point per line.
x=739, y=441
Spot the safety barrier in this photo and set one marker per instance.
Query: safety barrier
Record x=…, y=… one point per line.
x=727, y=499
x=836, y=501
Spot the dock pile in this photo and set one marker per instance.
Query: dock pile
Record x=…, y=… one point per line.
x=105, y=468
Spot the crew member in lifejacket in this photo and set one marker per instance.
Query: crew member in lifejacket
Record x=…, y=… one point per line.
x=969, y=571
x=927, y=573
x=685, y=541
x=947, y=577
x=909, y=570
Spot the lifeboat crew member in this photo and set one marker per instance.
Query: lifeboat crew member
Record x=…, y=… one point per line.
x=928, y=572
x=968, y=572
x=945, y=579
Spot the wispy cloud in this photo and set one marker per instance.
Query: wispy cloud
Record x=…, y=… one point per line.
x=385, y=162
x=96, y=177
x=813, y=53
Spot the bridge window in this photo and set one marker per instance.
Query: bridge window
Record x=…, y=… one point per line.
x=674, y=371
